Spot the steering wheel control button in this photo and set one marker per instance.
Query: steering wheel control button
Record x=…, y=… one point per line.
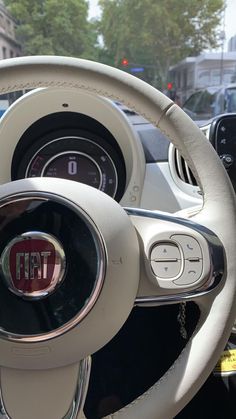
x=165, y=251
x=227, y=160
x=166, y=260
x=33, y=264
x=166, y=269
x=189, y=245
x=192, y=272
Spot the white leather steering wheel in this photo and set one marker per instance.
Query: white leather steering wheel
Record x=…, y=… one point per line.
x=46, y=369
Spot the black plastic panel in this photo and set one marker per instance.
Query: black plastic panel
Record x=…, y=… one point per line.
x=155, y=144
x=223, y=138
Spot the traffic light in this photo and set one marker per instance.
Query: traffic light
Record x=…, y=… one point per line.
x=124, y=62
x=169, y=85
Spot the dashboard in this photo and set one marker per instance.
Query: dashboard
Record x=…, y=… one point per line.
x=78, y=136
x=222, y=134
x=75, y=135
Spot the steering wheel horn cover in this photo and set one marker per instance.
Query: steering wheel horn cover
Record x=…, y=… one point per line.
x=114, y=255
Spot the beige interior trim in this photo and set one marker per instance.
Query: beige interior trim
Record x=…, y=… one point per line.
x=167, y=397
x=41, y=102
x=46, y=393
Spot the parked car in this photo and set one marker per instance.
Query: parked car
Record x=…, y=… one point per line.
x=211, y=101
x=4, y=103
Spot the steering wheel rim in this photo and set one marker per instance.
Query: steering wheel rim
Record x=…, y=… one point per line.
x=218, y=310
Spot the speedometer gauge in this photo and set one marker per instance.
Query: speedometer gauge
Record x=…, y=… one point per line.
x=78, y=159
x=73, y=166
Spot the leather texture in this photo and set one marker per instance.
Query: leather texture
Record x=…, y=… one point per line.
x=53, y=401
x=218, y=311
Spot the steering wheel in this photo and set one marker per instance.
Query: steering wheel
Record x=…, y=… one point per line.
x=73, y=262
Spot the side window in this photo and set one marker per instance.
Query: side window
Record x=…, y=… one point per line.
x=220, y=104
x=206, y=104
x=231, y=100
x=4, y=52
x=192, y=102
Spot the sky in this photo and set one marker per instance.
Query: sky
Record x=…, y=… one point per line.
x=230, y=17
x=94, y=10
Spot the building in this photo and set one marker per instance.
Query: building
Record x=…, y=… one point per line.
x=207, y=69
x=9, y=46
x=232, y=44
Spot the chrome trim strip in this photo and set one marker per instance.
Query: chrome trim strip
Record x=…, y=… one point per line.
x=102, y=264
x=79, y=396
x=3, y=412
x=160, y=300
x=80, y=138
x=188, y=173
x=81, y=389
x=179, y=165
x=217, y=261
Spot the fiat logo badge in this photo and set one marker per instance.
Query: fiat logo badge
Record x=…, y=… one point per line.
x=33, y=264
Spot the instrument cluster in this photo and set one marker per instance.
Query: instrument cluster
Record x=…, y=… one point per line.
x=71, y=146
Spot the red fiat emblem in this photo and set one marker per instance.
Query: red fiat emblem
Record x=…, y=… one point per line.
x=33, y=264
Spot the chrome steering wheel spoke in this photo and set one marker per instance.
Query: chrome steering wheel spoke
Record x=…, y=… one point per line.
x=81, y=390
x=182, y=260
x=40, y=386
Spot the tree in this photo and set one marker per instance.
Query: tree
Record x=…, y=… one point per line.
x=158, y=33
x=57, y=27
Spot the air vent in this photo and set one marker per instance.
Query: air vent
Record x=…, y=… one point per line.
x=182, y=169
x=182, y=174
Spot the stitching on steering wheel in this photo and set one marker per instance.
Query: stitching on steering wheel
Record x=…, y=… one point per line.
x=101, y=92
